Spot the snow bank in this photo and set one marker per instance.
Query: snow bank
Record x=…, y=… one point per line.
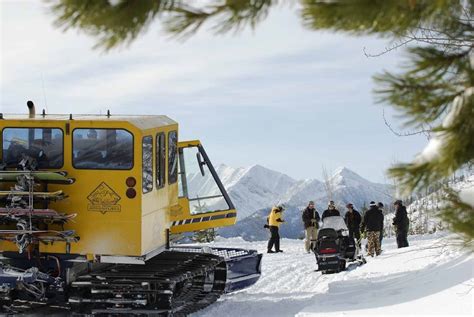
x=467, y=195
x=431, y=277
x=466, y=191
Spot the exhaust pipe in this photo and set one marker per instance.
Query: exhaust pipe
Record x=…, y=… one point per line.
x=31, y=132
x=31, y=108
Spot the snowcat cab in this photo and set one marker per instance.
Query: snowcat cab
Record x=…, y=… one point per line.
x=334, y=247
x=90, y=207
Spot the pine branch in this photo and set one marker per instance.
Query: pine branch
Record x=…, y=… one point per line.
x=388, y=49
x=405, y=134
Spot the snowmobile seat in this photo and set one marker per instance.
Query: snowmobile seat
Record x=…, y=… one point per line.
x=327, y=233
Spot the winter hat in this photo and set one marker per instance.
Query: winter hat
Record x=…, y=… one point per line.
x=281, y=207
x=398, y=202
x=380, y=204
x=331, y=203
x=311, y=202
x=349, y=205
x=372, y=203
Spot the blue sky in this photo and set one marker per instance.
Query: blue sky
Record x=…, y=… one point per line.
x=280, y=96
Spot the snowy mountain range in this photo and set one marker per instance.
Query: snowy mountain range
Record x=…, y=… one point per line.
x=257, y=187
x=254, y=190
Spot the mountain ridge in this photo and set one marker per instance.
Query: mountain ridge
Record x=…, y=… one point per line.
x=255, y=187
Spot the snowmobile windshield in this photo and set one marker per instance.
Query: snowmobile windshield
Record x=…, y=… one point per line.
x=335, y=222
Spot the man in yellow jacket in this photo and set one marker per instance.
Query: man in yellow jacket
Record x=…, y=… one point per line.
x=274, y=222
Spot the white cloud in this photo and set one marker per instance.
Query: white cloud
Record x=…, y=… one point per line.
x=219, y=88
x=34, y=51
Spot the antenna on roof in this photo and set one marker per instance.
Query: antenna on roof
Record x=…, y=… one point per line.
x=44, y=91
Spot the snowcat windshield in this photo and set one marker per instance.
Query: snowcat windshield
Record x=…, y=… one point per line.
x=334, y=222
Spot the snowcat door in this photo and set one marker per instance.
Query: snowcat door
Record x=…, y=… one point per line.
x=203, y=200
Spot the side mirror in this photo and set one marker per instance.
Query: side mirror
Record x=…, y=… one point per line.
x=201, y=163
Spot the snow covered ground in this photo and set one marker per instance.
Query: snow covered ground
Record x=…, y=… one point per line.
x=434, y=276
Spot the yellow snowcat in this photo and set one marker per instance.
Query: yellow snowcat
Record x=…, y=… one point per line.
x=90, y=210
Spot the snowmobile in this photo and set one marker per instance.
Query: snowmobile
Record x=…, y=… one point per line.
x=334, y=247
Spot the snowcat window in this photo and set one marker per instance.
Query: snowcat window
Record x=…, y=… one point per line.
x=201, y=190
x=172, y=157
x=45, y=145
x=160, y=159
x=147, y=164
x=109, y=149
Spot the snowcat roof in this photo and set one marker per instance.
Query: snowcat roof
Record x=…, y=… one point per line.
x=142, y=122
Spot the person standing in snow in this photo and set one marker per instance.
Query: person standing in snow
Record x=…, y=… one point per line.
x=311, y=224
x=401, y=223
x=380, y=207
x=353, y=219
x=274, y=222
x=331, y=211
x=372, y=222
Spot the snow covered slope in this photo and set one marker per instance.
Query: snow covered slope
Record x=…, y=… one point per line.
x=433, y=276
x=257, y=188
x=249, y=188
x=347, y=186
x=422, y=211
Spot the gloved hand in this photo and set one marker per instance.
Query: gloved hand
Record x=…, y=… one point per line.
x=266, y=226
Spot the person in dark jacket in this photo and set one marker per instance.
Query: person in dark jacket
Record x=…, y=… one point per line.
x=331, y=211
x=311, y=224
x=353, y=219
x=274, y=221
x=380, y=207
x=372, y=223
x=401, y=223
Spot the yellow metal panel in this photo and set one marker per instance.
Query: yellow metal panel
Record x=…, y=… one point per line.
x=191, y=143
x=110, y=224
x=153, y=230
x=8, y=246
x=107, y=221
x=203, y=225
x=182, y=219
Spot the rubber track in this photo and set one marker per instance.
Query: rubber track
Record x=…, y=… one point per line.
x=171, y=284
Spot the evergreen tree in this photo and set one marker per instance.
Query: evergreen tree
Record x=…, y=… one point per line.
x=435, y=90
x=206, y=235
